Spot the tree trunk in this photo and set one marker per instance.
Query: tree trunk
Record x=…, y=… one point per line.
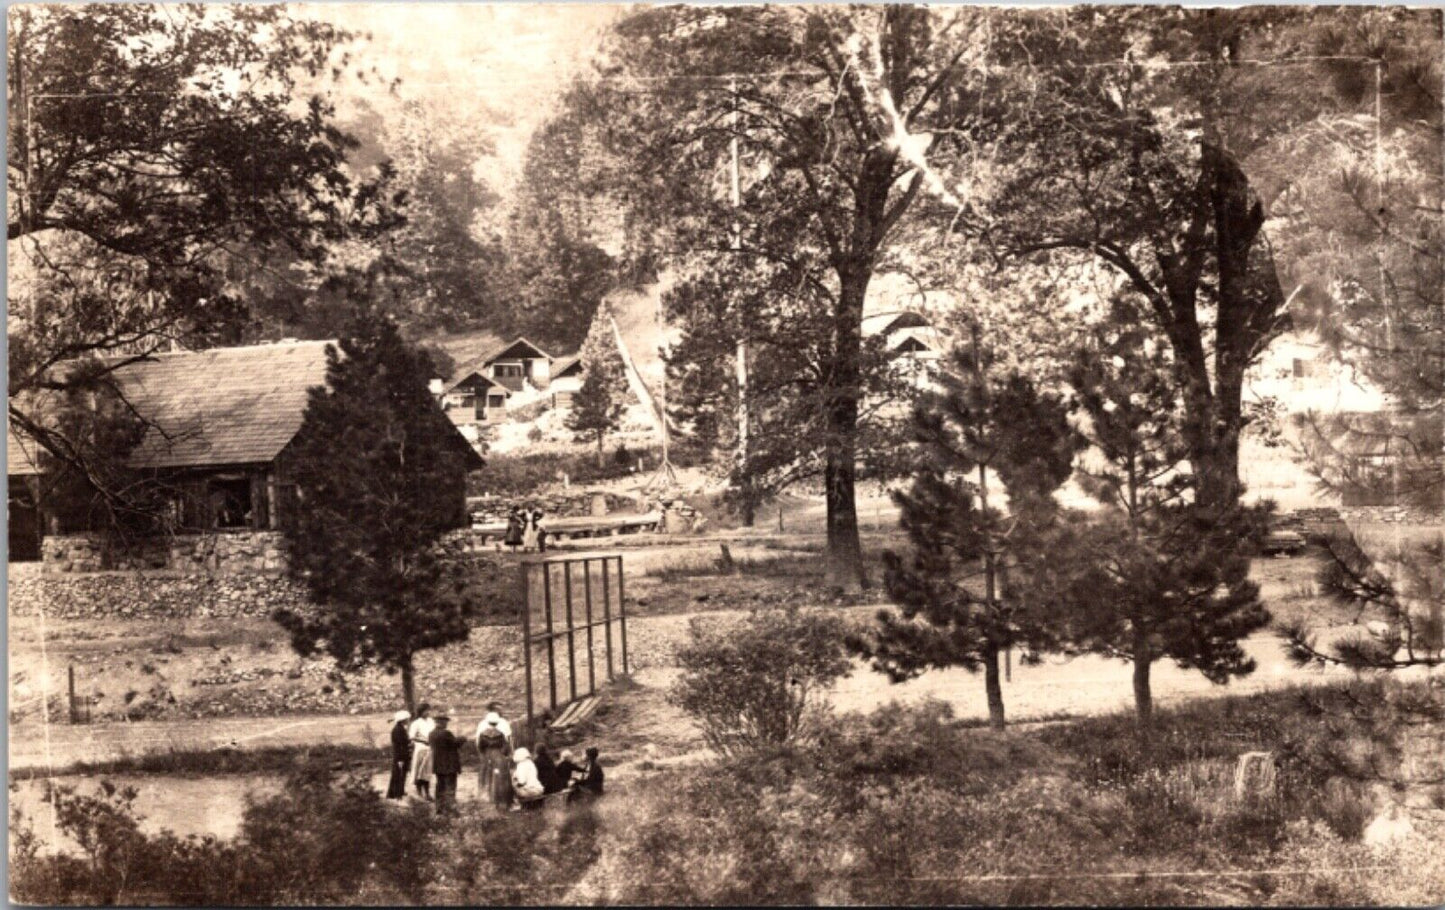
x=600, y=458
x=993, y=687
x=408, y=685
x=845, y=552
x=1143, y=698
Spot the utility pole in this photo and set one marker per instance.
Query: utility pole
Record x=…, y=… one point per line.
x=742, y=355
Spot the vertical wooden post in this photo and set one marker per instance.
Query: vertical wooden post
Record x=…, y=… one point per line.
x=1008, y=665
x=622, y=614
x=74, y=712
x=551, y=638
x=571, y=631
x=587, y=599
x=527, y=638
x=607, y=612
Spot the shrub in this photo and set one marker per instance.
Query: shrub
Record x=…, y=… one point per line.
x=314, y=842
x=755, y=684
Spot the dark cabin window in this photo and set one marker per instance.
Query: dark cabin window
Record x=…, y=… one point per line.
x=231, y=502
x=512, y=370
x=496, y=401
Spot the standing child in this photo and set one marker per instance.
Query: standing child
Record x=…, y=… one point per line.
x=530, y=529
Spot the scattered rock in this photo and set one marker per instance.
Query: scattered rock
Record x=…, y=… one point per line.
x=1254, y=775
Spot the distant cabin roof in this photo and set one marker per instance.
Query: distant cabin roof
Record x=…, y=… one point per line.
x=883, y=323
x=911, y=344
x=567, y=366
x=474, y=377
x=519, y=347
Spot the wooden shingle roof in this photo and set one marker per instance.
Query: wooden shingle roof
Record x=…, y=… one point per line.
x=225, y=406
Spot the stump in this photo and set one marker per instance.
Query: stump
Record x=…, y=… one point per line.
x=1254, y=775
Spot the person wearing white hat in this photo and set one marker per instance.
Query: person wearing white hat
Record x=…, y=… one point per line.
x=420, y=732
x=400, y=755
x=525, y=780
x=494, y=743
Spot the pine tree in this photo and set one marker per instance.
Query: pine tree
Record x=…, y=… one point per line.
x=1156, y=574
x=380, y=475
x=976, y=425
x=596, y=409
x=597, y=406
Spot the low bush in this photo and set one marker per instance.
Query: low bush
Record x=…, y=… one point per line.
x=757, y=684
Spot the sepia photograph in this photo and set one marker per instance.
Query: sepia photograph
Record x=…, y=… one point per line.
x=499, y=454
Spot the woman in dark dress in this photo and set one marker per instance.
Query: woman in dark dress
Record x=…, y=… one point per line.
x=516, y=524
x=400, y=756
x=547, y=771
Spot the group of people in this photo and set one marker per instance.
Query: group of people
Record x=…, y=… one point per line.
x=424, y=749
x=524, y=529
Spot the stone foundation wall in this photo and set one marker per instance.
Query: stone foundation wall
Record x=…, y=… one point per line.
x=224, y=575
x=150, y=594
x=221, y=553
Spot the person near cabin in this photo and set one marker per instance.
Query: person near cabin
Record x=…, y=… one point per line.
x=516, y=527
x=494, y=743
x=421, y=759
x=525, y=782
x=446, y=749
x=540, y=531
x=400, y=755
x=531, y=529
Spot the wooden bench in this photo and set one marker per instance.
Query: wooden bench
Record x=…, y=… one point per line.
x=576, y=712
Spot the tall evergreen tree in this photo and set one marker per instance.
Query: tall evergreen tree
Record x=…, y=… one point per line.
x=977, y=424
x=380, y=474
x=1362, y=222
x=596, y=410
x=1153, y=575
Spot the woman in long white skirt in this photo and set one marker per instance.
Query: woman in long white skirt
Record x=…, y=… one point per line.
x=421, y=761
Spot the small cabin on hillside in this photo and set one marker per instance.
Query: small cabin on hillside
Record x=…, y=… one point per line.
x=220, y=424
x=566, y=381
x=517, y=363
x=474, y=399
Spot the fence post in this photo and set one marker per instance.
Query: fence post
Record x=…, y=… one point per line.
x=527, y=638
x=607, y=611
x=591, y=655
x=622, y=614
x=74, y=713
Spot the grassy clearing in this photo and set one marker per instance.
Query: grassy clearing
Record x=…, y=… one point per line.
x=903, y=806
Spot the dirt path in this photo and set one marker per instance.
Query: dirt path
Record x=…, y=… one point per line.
x=1079, y=686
